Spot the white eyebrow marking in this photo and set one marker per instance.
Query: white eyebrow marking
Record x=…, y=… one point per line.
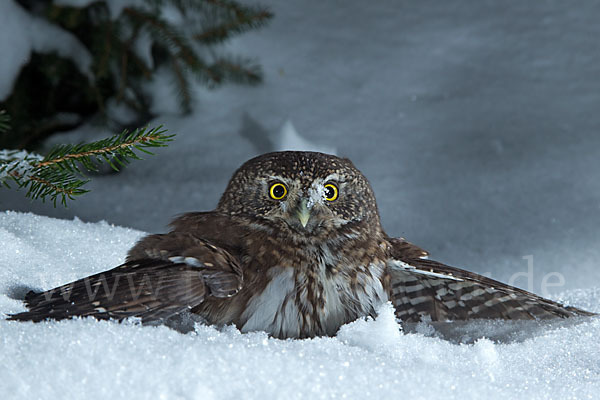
x=332, y=177
x=277, y=178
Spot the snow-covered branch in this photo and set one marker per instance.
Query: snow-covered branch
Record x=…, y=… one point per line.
x=57, y=174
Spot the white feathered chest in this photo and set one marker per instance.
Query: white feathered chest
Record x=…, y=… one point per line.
x=314, y=298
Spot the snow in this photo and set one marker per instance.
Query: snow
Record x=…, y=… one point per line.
x=476, y=123
x=368, y=358
x=289, y=139
x=21, y=34
x=16, y=162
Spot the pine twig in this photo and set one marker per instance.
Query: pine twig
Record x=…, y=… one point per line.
x=55, y=175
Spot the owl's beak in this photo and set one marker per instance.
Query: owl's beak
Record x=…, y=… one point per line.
x=303, y=213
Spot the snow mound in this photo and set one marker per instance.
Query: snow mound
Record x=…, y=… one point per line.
x=290, y=139
x=370, y=358
x=21, y=33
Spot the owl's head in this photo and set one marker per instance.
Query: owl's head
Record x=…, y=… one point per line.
x=306, y=192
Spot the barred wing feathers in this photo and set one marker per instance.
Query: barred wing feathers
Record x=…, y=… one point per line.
x=177, y=272
x=428, y=290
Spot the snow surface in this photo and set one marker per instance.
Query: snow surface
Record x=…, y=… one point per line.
x=477, y=123
x=91, y=359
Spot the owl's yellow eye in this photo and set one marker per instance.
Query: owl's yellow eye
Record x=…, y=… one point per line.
x=331, y=192
x=278, y=191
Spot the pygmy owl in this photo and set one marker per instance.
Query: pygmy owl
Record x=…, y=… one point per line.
x=294, y=248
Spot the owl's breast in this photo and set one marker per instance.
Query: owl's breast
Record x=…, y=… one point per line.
x=307, y=300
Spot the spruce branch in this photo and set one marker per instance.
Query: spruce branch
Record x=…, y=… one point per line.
x=4, y=121
x=236, y=19
x=183, y=85
x=119, y=148
x=57, y=174
x=50, y=182
x=184, y=57
x=127, y=51
x=165, y=31
x=237, y=69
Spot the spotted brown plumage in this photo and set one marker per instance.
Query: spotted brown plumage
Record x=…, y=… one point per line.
x=294, y=248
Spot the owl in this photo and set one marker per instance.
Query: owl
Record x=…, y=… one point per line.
x=294, y=248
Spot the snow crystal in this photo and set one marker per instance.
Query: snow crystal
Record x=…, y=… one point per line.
x=17, y=162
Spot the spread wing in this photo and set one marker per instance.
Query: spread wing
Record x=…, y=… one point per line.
x=163, y=276
x=426, y=289
x=402, y=249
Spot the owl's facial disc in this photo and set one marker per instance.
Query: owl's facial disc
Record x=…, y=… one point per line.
x=304, y=207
